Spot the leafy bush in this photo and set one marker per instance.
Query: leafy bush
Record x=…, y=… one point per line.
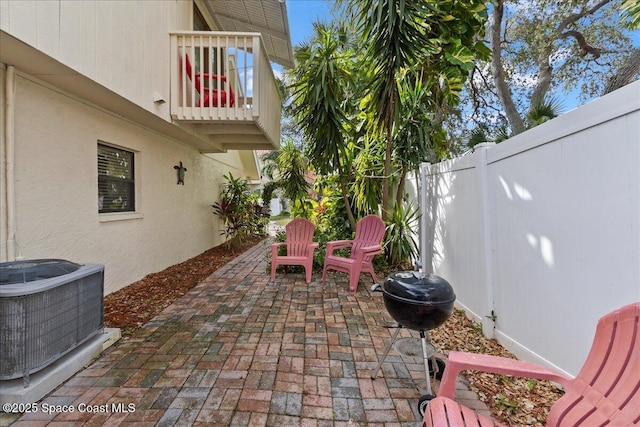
x=240, y=210
x=257, y=216
x=400, y=246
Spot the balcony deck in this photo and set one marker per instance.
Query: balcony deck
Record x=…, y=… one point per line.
x=222, y=85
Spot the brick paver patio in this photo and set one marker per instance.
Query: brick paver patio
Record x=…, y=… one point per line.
x=239, y=351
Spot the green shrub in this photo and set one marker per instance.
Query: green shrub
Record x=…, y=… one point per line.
x=400, y=245
x=240, y=210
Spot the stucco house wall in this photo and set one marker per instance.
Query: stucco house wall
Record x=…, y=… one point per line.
x=56, y=189
x=123, y=45
x=76, y=74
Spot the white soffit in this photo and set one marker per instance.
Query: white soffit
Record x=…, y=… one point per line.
x=268, y=17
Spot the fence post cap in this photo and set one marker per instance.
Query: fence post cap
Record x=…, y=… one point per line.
x=484, y=145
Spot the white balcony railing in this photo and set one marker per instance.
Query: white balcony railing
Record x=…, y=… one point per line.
x=224, y=77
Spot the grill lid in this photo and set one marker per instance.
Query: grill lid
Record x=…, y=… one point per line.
x=419, y=288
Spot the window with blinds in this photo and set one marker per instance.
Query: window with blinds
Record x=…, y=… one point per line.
x=116, y=186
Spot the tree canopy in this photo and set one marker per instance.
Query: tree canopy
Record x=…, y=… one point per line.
x=390, y=84
x=549, y=48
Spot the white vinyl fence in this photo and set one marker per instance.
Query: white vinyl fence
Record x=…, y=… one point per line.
x=541, y=233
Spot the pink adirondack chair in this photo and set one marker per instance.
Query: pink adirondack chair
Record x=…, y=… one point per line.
x=606, y=391
x=366, y=243
x=300, y=247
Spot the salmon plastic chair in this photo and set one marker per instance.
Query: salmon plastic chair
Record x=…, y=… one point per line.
x=300, y=247
x=366, y=243
x=209, y=96
x=606, y=391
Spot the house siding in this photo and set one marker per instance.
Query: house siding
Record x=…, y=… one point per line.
x=57, y=216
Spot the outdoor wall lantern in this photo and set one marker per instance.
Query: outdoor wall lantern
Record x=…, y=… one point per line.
x=181, y=170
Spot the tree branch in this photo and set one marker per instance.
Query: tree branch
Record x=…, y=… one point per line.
x=572, y=19
x=545, y=71
x=582, y=42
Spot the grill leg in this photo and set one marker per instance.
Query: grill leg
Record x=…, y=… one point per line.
x=386, y=351
x=425, y=356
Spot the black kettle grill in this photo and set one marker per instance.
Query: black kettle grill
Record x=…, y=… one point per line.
x=419, y=302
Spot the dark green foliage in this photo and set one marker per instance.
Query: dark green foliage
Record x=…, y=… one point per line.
x=268, y=191
x=400, y=245
x=631, y=14
x=319, y=88
x=239, y=210
x=292, y=166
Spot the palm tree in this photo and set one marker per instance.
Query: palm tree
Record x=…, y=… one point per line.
x=270, y=163
x=394, y=36
x=292, y=168
x=417, y=138
x=543, y=111
x=438, y=36
x=286, y=169
x=321, y=84
x=631, y=14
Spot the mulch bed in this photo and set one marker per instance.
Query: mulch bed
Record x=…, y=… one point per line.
x=131, y=307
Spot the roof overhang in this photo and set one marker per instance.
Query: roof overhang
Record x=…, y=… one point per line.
x=268, y=17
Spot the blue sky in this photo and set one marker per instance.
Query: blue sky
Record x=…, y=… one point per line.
x=302, y=13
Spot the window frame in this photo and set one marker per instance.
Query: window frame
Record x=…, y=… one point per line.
x=130, y=182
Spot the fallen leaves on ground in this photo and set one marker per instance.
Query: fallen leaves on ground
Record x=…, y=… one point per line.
x=514, y=401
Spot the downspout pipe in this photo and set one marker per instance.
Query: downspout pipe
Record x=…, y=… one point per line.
x=9, y=138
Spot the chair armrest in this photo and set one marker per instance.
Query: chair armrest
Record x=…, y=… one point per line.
x=312, y=247
x=338, y=244
x=274, y=248
x=369, y=250
x=460, y=361
x=360, y=253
